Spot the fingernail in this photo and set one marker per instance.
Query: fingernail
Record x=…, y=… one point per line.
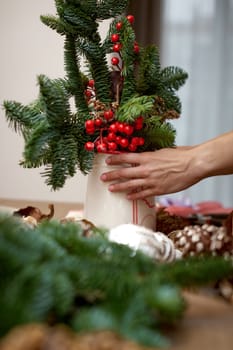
x=111, y=188
x=103, y=177
x=108, y=160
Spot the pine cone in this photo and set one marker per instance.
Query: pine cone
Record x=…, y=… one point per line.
x=200, y=240
x=167, y=223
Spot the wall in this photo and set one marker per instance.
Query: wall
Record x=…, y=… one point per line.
x=28, y=48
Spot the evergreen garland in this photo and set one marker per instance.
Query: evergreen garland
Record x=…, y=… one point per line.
x=53, y=274
x=56, y=137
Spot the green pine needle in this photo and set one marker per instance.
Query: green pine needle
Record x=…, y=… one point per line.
x=91, y=283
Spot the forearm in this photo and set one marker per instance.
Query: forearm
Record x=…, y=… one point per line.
x=215, y=157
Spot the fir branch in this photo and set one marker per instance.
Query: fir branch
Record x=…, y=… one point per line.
x=22, y=118
x=171, y=100
x=213, y=268
x=95, y=56
x=37, y=145
x=63, y=161
x=91, y=283
x=85, y=160
x=60, y=4
x=149, y=71
x=173, y=77
x=89, y=7
x=55, y=98
x=159, y=136
x=74, y=75
x=136, y=106
x=138, y=88
x=110, y=8
x=57, y=24
x=82, y=22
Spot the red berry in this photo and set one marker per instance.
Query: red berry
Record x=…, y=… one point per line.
x=139, y=119
x=119, y=25
x=117, y=47
x=128, y=129
x=98, y=122
x=121, y=127
x=90, y=124
x=113, y=127
x=91, y=83
x=112, y=146
x=138, y=126
x=130, y=18
x=141, y=141
x=115, y=38
x=118, y=139
x=89, y=146
x=136, y=48
x=108, y=114
x=132, y=147
x=115, y=60
x=90, y=131
x=138, y=123
x=135, y=141
x=111, y=136
x=124, y=142
x=88, y=93
x=101, y=147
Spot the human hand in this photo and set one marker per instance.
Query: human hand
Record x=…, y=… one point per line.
x=167, y=170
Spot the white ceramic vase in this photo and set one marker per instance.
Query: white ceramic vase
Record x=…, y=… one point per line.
x=106, y=209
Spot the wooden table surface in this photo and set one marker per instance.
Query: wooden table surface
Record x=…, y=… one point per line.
x=207, y=324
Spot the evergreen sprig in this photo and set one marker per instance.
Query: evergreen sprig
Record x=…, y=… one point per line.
x=22, y=118
x=54, y=273
x=160, y=136
x=99, y=71
x=137, y=105
x=149, y=70
x=53, y=126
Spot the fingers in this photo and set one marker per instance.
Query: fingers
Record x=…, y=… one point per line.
x=130, y=179
x=135, y=171
x=134, y=189
x=130, y=158
x=126, y=186
x=121, y=174
x=115, y=175
x=141, y=194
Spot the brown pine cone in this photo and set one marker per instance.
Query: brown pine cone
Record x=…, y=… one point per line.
x=200, y=240
x=167, y=223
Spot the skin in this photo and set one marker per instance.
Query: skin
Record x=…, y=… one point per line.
x=169, y=170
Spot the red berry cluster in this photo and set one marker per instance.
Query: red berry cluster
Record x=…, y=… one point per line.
x=114, y=136
x=115, y=39
x=89, y=92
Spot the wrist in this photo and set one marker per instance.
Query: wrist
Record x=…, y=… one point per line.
x=202, y=162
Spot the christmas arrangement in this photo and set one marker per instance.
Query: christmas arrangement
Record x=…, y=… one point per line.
x=123, y=99
x=56, y=274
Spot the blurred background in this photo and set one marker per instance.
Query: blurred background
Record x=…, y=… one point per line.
x=195, y=35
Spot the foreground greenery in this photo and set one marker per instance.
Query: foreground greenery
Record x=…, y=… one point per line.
x=54, y=274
